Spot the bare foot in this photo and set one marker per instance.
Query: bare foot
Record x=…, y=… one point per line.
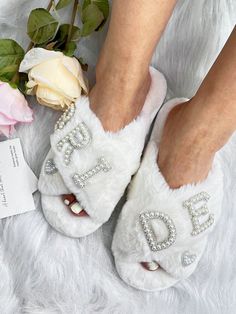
x=191, y=137
x=117, y=100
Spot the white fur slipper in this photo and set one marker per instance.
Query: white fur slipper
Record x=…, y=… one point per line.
x=164, y=229
x=94, y=165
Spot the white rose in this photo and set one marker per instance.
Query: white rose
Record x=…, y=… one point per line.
x=55, y=79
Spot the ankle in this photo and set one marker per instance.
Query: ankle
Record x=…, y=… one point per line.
x=122, y=89
x=117, y=98
x=214, y=125
x=186, y=150
x=122, y=64
x=122, y=79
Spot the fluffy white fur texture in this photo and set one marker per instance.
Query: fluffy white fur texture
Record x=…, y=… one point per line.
x=130, y=246
x=122, y=150
x=43, y=272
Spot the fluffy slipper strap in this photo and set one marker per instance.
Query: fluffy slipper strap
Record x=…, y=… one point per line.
x=160, y=221
x=96, y=165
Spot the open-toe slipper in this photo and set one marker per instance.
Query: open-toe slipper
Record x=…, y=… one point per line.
x=94, y=165
x=162, y=232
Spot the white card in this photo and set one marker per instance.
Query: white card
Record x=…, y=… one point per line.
x=17, y=181
x=32, y=179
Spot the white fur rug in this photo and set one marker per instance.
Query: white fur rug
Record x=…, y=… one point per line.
x=42, y=271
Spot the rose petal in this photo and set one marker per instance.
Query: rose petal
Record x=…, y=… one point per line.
x=4, y=120
x=7, y=130
x=48, y=95
x=36, y=56
x=14, y=105
x=31, y=84
x=74, y=67
x=55, y=76
x=52, y=99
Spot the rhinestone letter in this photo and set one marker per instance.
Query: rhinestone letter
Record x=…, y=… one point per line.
x=78, y=138
x=102, y=165
x=145, y=218
x=188, y=258
x=65, y=117
x=50, y=167
x=196, y=212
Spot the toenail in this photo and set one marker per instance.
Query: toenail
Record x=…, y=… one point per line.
x=68, y=199
x=151, y=266
x=75, y=208
x=66, y=202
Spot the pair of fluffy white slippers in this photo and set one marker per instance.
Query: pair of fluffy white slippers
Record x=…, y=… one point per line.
x=161, y=232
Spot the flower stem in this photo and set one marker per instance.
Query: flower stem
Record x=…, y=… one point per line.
x=50, y=5
x=31, y=44
x=75, y=7
x=15, y=78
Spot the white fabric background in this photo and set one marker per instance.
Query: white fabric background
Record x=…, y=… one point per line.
x=42, y=271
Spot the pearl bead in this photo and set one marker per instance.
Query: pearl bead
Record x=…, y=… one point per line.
x=73, y=142
x=150, y=234
x=188, y=258
x=50, y=167
x=196, y=212
x=65, y=117
x=81, y=179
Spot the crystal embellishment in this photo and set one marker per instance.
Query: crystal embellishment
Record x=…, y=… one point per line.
x=196, y=212
x=50, y=167
x=65, y=118
x=188, y=258
x=78, y=138
x=150, y=235
x=81, y=179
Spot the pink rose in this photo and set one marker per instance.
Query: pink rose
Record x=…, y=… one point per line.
x=13, y=108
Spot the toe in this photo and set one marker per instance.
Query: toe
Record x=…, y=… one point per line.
x=151, y=266
x=72, y=204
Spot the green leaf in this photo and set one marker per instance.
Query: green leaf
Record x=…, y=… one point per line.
x=8, y=72
x=63, y=33
x=42, y=26
x=59, y=42
x=86, y=3
x=3, y=79
x=62, y=4
x=11, y=55
x=70, y=49
x=75, y=34
x=13, y=85
x=92, y=17
x=103, y=6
